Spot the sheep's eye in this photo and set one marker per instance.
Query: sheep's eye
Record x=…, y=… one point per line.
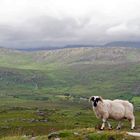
x=92, y=98
x=98, y=99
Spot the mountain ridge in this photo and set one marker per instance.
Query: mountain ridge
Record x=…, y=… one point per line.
x=131, y=44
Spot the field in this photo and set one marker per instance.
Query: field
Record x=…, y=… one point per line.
x=47, y=91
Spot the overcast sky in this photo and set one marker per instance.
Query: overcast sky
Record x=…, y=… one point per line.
x=34, y=23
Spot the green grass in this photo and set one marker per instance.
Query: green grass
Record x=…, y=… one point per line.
x=136, y=101
x=90, y=134
x=23, y=118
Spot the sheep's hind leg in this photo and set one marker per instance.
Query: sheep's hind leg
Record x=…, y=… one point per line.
x=103, y=124
x=132, y=123
x=109, y=125
x=119, y=125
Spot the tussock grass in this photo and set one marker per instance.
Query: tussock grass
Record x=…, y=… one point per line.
x=91, y=134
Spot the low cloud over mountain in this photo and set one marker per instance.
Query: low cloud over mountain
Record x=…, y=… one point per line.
x=34, y=23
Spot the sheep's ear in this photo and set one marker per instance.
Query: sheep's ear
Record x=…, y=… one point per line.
x=91, y=98
x=101, y=98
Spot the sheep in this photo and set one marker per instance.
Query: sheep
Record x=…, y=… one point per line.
x=112, y=109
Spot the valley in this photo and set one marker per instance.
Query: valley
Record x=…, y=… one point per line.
x=46, y=91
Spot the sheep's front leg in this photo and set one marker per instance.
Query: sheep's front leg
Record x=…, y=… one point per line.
x=103, y=124
x=119, y=125
x=109, y=125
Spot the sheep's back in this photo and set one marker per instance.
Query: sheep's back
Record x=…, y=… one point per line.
x=126, y=104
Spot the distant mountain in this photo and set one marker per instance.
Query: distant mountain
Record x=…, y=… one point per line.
x=58, y=47
x=123, y=44
x=39, y=48
x=110, y=44
x=68, y=56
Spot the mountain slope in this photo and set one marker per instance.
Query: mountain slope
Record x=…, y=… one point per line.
x=69, y=56
x=79, y=71
x=46, y=91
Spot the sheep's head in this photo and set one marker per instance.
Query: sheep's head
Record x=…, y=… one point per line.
x=95, y=100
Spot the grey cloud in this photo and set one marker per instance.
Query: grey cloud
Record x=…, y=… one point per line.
x=47, y=30
x=42, y=29
x=129, y=30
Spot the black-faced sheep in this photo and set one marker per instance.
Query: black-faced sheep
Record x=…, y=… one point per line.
x=112, y=109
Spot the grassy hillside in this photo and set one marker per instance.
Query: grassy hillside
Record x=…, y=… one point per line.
x=46, y=91
x=110, y=72
x=68, y=56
